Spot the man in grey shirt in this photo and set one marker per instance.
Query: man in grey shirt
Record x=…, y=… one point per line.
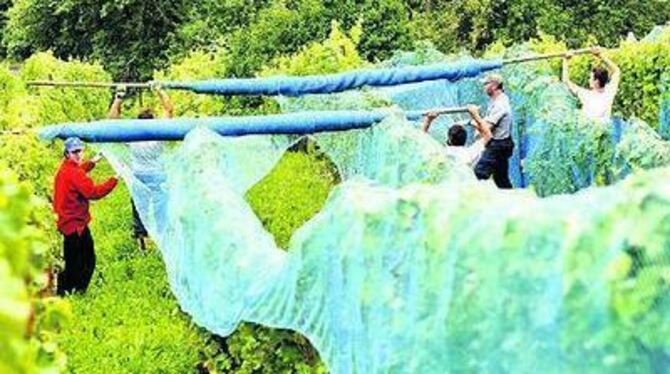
x=495, y=158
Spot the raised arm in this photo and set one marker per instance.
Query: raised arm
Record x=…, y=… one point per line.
x=615, y=72
x=428, y=120
x=481, y=125
x=565, y=76
x=115, y=109
x=166, y=103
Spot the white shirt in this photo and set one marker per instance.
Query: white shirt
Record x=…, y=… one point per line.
x=597, y=105
x=468, y=155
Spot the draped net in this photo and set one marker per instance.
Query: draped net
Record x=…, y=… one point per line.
x=414, y=266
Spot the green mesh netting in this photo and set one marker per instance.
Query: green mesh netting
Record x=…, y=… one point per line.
x=414, y=266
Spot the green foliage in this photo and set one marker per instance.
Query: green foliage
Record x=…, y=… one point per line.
x=11, y=88
x=291, y=194
x=4, y=7
x=277, y=30
x=128, y=321
x=475, y=24
x=22, y=249
x=56, y=105
x=336, y=54
x=31, y=159
x=208, y=25
x=130, y=37
x=133, y=38
x=386, y=29
x=439, y=27
x=285, y=26
x=254, y=349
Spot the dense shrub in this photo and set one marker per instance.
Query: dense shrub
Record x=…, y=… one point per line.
x=336, y=54
x=277, y=30
x=28, y=325
x=210, y=22
x=131, y=37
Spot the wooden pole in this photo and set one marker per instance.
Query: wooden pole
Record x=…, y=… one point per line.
x=88, y=84
x=47, y=83
x=452, y=110
x=15, y=132
x=546, y=56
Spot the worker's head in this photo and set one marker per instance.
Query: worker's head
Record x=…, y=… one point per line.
x=73, y=149
x=493, y=83
x=599, y=78
x=146, y=113
x=456, y=137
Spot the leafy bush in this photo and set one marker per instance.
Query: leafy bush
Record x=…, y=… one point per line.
x=22, y=249
x=62, y=104
x=336, y=54
x=129, y=37
x=292, y=193
x=277, y=30
x=386, y=29
x=210, y=22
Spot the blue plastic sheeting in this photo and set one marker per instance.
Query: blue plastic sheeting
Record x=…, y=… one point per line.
x=110, y=131
x=322, y=84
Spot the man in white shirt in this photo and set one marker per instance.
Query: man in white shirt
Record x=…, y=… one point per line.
x=456, y=138
x=596, y=101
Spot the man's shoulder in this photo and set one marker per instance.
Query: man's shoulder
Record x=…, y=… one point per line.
x=503, y=100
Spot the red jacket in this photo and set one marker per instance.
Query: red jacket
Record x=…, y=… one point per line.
x=72, y=191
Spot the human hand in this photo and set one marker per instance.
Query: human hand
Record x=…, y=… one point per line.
x=98, y=156
x=568, y=55
x=121, y=170
x=431, y=116
x=156, y=86
x=596, y=51
x=473, y=110
x=120, y=92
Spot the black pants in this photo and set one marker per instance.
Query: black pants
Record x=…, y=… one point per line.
x=139, y=231
x=79, y=262
x=495, y=162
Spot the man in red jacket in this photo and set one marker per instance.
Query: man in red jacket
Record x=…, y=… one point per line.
x=73, y=190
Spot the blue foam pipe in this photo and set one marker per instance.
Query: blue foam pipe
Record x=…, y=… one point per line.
x=111, y=131
x=331, y=83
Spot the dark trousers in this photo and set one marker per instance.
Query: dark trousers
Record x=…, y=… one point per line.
x=79, y=262
x=495, y=162
x=139, y=231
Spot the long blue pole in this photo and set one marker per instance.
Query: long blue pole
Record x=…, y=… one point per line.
x=110, y=131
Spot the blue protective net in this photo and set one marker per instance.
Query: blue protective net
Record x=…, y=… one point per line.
x=414, y=266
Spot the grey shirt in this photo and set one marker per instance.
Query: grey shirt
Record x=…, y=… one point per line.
x=499, y=114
